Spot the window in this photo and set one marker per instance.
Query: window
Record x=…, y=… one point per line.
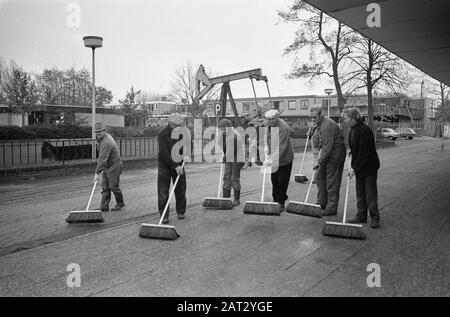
x=304, y=104
x=245, y=106
x=325, y=103
x=292, y=105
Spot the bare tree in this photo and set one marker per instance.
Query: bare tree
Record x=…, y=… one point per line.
x=183, y=88
x=374, y=67
x=321, y=34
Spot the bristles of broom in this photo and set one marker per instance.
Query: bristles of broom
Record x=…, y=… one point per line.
x=217, y=203
x=158, y=232
x=343, y=229
x=300, y=178
x=304, y=209
x=82, y=216
x=86, y=216
x=261, y=208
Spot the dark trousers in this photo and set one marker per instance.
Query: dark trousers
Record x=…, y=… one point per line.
x=110, y=183
x=367, y=197
x=165, y=174
x=280, y=183
x=232, y=175
x=328, y=179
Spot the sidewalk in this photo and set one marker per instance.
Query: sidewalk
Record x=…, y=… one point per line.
x=227, y=253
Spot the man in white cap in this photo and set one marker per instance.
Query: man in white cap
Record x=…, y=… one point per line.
x=285, y=155
x=109, y=164
x=168, y=169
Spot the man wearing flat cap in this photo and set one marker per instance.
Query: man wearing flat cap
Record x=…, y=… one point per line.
x=284, y=155
x=109, y=164
x=169, y=170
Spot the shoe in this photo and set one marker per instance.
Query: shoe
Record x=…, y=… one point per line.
x=117, y=207
x=235, y=202
x=165, y=221
x=104, y=209
x=281, y=207
x=357, y=220
x=181, y=216
x=226, y=193
x=326, y=213
x=375, y=223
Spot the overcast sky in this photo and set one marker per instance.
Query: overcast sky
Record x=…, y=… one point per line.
x=146, y=40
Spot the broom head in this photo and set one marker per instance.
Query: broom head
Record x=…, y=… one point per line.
x=163, y=232
x=217, y=203
x=300, y=178
x=261, y=208
x=85, y=216
x=304, y=209
x=343, y=230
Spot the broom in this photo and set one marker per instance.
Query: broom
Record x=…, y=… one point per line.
x=218, y=203
x=86, y=216
x=161, y=231
x=300, y=178
x=344, y=230
x=261, y=207
x=305, y=208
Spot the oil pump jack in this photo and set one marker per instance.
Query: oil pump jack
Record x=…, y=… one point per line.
x=202, y=79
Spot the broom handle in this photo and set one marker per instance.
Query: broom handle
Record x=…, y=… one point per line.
x=346, y=192
x=170, y=196
x=264, y=180
x=304, y=151
x=310, y=185
x=220, y=179
x=92, y=194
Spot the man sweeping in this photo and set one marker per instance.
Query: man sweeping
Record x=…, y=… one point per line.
x=168, y=169
x=109, y=164
x=330, y=163
x=233, y=159
x=365, y=164
x=280, y=177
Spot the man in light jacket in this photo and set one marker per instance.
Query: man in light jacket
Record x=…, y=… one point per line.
x=109, y=165
x=284, y=156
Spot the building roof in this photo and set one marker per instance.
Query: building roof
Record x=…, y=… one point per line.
x=417, y=31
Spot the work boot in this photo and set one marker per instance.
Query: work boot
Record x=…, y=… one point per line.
x=103, y=208
x=226, y=193
x=165, y=220
x=357, y=219
x=237, y=196
x=181, y=216
x=281, y=207
x=327, y=213
x=119, y=201
x=374, y=223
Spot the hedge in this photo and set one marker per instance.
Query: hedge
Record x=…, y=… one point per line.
x=69, y=132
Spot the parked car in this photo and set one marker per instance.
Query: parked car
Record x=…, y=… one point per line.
x=406, y=133
x=390, y=134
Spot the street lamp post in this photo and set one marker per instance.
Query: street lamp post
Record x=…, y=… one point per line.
x=93, y=42
x=329, y=91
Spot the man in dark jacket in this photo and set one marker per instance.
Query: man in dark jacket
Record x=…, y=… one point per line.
x=109, y=164
x=234, y=160
x=330, y=162
x=168, y=169
x=365, y=165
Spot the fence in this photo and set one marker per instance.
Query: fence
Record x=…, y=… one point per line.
x=36, y=152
